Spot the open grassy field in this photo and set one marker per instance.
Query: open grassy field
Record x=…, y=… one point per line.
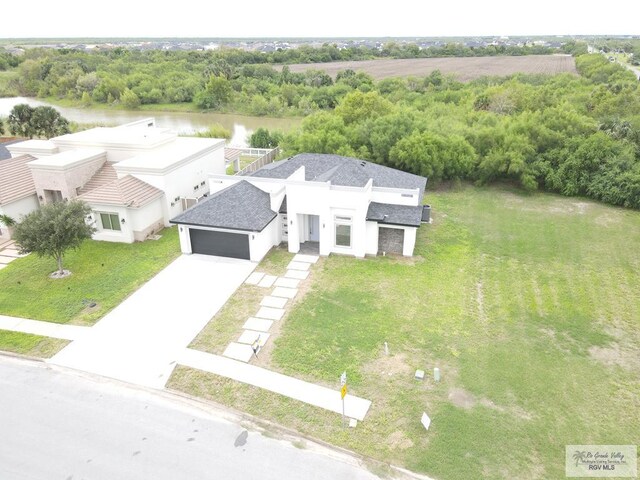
x=528, y=304
x=464, y=68
x=102, y=272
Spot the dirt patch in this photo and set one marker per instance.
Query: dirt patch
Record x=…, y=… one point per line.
x=461, y=398
x=616, y=355
x=608, y=220
x=399, y=441
x=389, y=365
x=581, y=207
x=57, y=274
x=463, y=68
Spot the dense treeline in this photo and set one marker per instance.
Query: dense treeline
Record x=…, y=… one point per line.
x=227, y=79
x=564, y=133
x=567, y=134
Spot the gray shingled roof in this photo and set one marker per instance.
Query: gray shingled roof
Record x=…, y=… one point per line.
x=238, y=207
x=345, y=171
x=405, y=215
x=4, y=151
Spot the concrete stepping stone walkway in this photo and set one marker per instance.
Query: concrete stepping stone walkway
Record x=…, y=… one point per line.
x=258, y=324
x=271, y=306
x=254, y=278
x=298, y=266
x=269, y=313
x=284, y=292
x=287, y=282
x=250, y=336
x=267, y=281
x=305, y=258
x=239, y=351
x=323, y=397
x=273, y=302
x=296, y=274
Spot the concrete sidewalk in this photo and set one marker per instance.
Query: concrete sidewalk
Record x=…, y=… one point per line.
x=310, y=393
x=45, y=329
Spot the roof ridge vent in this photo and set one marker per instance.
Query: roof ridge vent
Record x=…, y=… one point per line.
x=363, y=163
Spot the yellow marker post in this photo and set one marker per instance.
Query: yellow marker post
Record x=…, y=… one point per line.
x=343, y=393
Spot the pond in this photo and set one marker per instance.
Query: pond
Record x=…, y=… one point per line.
x=184, y=123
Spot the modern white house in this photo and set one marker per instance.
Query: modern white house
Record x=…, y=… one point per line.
x=323, y=203
x=135, y=177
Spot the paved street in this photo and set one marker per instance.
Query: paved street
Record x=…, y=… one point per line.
x=59, y=425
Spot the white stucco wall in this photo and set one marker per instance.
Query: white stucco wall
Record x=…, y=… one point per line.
x=21, y=207
x=396, y=196
x=261, y=242
x=372, y=238
x=185, y=240
x=409, y=241
x=138, y=222
x=123, y=236
x=147, y=218
x=180, y=182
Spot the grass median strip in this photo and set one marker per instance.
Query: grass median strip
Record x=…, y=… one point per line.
x=32, y=345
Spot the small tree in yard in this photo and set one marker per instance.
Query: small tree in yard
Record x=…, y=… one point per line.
x=54, y=229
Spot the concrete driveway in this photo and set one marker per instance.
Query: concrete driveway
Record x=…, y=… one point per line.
x=140, y=340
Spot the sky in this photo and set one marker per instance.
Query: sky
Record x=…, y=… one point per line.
x=322, y=18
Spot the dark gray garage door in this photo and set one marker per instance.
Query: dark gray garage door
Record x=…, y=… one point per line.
x=222, y=244
x=390, y=240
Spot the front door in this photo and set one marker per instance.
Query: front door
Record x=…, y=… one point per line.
x=314, y=228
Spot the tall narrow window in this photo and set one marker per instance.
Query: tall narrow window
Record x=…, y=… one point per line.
x=110, y=221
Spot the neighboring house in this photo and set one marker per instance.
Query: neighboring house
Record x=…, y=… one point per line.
x=17, y=190
x=135, y=177
x=326, y=203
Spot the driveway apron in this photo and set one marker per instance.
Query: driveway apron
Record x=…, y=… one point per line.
x=140, y=340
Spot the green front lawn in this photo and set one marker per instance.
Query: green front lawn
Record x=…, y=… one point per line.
x=103, y=273
x=529, y=306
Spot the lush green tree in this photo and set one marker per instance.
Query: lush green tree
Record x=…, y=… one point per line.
x=358, y=106
x=20, y=121
x=47, y=122
x=263, y=138
x=54, y=229
x=129, y=99
x=434, y=156
x=217, y=93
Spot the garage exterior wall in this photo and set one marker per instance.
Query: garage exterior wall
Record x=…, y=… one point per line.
x=259, y=242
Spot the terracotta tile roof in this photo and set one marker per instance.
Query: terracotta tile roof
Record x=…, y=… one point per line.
x=127, y=191
x=105, y=175
x=16, y=181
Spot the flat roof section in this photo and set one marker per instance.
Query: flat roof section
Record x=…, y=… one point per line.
x=68, y=159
